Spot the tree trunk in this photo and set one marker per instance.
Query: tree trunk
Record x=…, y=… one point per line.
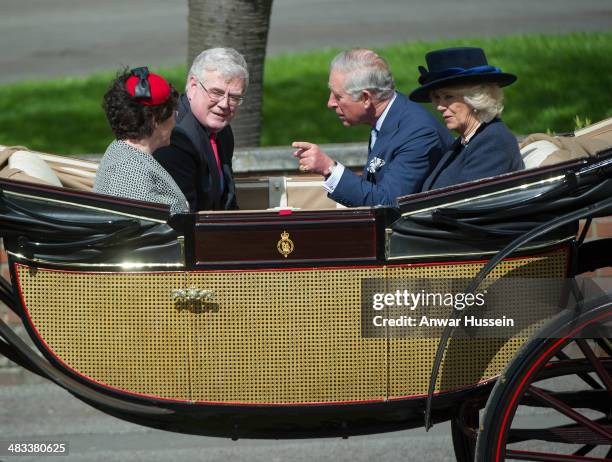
x=243, y=25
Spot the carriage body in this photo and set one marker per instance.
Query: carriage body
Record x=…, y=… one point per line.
x=251, y=323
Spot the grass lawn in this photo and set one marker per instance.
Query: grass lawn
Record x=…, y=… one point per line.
x=561, y=77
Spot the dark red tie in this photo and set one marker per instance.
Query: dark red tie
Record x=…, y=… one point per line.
x=213, y=143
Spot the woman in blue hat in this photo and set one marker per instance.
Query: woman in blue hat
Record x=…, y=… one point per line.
x=467, y=91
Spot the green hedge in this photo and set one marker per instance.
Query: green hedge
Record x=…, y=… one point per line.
x=561, y=77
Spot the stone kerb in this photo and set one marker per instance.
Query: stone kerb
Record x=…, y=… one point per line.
x=250, y=161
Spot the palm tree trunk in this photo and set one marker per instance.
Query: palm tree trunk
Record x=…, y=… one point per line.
x=243, y=25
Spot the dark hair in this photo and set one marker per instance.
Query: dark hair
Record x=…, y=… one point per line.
x=129, y=119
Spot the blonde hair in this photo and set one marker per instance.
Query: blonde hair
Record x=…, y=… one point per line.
x=486, y=98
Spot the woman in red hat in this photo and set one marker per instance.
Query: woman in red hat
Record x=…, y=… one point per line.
x=140, y=107
x=467, y=91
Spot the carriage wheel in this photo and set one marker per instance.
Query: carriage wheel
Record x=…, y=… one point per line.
x=554, y=401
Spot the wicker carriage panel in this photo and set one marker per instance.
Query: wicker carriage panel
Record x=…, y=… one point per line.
x=468, y=361
x=118, y=329
x=269, y=337
x=287, y=337
x=278, y=337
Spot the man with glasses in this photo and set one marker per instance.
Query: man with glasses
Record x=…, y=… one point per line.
x=199, y=156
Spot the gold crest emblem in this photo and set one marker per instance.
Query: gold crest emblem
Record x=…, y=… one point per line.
x=285, y=245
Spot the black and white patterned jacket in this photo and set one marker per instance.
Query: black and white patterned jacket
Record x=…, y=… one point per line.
x=126, y=171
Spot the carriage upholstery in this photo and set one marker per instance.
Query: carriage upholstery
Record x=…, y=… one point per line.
x=19, y=163
x=541, y=149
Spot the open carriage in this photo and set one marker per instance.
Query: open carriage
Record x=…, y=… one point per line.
x=270, y=322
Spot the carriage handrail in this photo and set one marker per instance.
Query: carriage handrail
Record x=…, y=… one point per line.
x=86, y=241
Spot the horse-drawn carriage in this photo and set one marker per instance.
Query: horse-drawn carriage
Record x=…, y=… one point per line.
x=289, y=322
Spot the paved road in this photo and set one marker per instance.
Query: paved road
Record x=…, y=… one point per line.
x=42, y=38
x=44, y=412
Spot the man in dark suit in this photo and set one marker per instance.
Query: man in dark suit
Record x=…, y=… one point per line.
x=405, y=143
x=199, y=156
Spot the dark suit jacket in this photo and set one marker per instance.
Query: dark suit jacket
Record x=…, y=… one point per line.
x=191, y=161
x=492, y=150
x=409, y=144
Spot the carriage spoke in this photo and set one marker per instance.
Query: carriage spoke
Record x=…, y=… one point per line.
x=596, y=400
x=569, y=412
x=599, y=369
x=548, y=457
x=605, y=345
x=584, y=450
x=571, y=434
x=584, y=376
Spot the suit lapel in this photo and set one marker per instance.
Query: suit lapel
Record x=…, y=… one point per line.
x=199, y=138
x=225, y=146
x=387, y=130
x=207, y=159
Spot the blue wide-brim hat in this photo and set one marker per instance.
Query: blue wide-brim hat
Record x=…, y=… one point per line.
x=452, y=66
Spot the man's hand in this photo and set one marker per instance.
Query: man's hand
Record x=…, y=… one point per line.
x=312, y=158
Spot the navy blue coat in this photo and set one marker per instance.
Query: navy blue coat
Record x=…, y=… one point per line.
x=492, y=150
x=408, y=145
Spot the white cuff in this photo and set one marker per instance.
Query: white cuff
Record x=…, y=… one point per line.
x=332, y=181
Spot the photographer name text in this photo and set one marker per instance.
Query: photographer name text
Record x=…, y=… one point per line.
x=412, y=301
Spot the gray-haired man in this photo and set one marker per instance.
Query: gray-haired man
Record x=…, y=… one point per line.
x=199, y=156
x=406, y=140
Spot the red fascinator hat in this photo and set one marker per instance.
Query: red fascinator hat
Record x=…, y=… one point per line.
x=147, y=88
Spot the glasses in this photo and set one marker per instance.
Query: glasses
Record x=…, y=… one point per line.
x=218, y=95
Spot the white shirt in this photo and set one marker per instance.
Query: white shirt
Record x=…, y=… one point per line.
x=466, y=139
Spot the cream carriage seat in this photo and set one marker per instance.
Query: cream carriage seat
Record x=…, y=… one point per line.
x=21, y=164
x=279, y=192
x=253, y=194
x=541, y=149
x=307, y=192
